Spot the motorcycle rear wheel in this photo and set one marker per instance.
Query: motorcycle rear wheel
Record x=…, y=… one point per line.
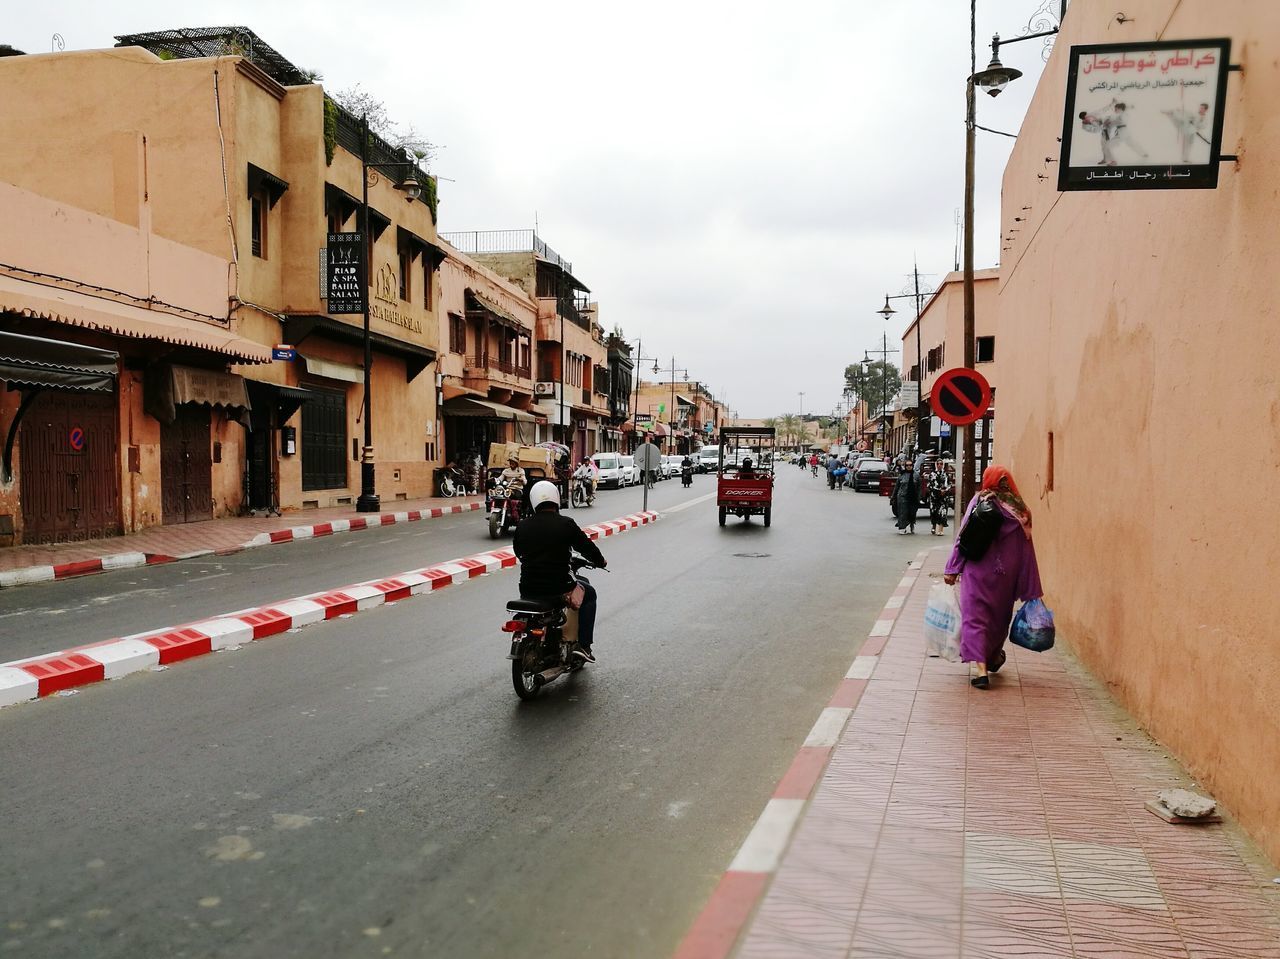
x=526, y=684
x=495, y=526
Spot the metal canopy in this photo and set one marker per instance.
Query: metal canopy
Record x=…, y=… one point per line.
x=474, y=406
x=188, y=43
x=37, y=361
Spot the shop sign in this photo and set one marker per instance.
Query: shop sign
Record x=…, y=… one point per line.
x=345, y=263
x=1144, y=116
x=282, y=351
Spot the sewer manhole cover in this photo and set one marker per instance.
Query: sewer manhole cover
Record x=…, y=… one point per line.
x=753, y=555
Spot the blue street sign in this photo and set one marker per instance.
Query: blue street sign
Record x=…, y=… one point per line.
x=283, y=353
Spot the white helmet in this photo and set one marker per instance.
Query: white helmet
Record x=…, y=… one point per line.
x=544, y=492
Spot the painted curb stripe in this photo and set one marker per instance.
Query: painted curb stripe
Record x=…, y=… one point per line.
x=43, y=574
x=36, y=676
x=763, y=848
x=826, y=731
x=862, y=667
x=849, y=693
x=716, y=929
x=804, y=773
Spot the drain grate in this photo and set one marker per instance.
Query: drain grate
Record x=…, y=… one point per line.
x=753, y=555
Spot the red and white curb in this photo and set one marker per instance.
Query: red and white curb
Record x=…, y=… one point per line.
x=26, y=679
x=727, y=912
x=45, y=574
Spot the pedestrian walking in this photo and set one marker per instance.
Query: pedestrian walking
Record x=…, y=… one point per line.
x=906, y=498
x=939, y=491
x=991, y=584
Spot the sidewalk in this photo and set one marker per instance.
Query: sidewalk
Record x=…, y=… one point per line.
x=165, y=544
x=953, y=822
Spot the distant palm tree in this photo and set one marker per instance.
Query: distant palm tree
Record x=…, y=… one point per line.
x=791, y=426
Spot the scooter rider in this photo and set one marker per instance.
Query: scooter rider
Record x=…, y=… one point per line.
x=543, y=543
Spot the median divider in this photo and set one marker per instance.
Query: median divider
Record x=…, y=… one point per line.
x=26, y=679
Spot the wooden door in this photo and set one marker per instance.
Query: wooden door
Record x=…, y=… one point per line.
x=69, y=462
x=186, y=466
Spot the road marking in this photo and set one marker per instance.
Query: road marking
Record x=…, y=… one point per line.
x=862, y=667
x=827, y=729
x=763, y=848
x=692, y=502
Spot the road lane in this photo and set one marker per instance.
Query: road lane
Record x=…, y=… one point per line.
x=47, y=617
x=373, y=783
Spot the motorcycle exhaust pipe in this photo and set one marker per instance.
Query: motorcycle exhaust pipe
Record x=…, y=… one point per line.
x=547, y=675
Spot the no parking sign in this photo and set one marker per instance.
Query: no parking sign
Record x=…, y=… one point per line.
x=76, y=438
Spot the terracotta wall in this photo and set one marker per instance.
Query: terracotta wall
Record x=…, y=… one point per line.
x=1142, y=335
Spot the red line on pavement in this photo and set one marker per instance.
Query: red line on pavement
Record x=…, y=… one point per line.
x=78, y=568
x=849, y=692
x=717, y=927
x=804, y=773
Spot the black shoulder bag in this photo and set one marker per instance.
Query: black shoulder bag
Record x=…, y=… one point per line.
x=980, y=529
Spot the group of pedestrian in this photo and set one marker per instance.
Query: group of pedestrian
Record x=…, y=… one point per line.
x=912, y=487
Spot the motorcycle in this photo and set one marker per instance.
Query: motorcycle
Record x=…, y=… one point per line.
x=583, y=492
x=451, y=482
x=503, y=505
x=539, y=653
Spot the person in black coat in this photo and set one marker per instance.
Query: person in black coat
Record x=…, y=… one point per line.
x=543, y=543
x=906, y=498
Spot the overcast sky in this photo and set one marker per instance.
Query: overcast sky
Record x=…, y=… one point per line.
x=739, y=183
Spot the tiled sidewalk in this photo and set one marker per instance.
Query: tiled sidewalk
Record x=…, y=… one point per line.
x=953, y=822
x=216, y=535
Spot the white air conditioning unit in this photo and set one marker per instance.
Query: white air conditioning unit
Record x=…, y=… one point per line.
x=544, y=389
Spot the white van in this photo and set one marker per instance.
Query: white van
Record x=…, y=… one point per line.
x=708, y=460
x=611, y=473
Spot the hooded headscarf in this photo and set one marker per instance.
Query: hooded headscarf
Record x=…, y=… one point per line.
x=998, y=482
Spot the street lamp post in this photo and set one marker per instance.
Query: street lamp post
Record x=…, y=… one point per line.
x=635, y=407
x=672, y=409
x=885, y=311
x=993, y=80
x=368, y=501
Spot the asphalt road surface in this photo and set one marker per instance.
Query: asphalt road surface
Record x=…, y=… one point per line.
x=371, y=786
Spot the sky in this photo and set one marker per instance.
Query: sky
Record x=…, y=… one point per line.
x=739, y=183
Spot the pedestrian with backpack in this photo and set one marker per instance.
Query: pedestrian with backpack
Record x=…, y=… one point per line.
x=995, y=559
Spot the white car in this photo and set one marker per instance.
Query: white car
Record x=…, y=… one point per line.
x=611, y=470
x=671, y=465
x=708, y=459
x=630, y=472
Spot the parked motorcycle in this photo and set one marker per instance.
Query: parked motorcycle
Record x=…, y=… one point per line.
x=503, y=505
x=539, y=653
x=451, y=482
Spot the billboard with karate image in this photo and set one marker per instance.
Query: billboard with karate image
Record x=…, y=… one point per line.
x=1144, y=116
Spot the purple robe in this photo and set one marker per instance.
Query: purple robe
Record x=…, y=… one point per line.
x=989, y=587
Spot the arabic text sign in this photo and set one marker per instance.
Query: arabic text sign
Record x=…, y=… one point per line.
x=1144, y=116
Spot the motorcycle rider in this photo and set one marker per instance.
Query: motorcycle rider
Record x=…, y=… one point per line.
x=543, y=543
x=513, y=477
x=686, y=470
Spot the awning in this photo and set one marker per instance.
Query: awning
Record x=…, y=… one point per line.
x=36, y=361
x=166, y=387
x=416, y=358
x=341, y=203
x=418, y=246
x=284, y=399
x=260, y=179
x=123, y=319
x=378, y=223
x=472, y=406
x=451, y=390
x=478, y=302
x=333, y=370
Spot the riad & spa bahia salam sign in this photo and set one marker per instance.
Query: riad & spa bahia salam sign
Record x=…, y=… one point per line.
x=346, y=272
x=1144, y=116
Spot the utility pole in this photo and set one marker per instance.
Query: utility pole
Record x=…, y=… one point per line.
x=964, y=442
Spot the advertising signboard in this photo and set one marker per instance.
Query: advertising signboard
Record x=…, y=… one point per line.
x=345, y=262
x=1144, y=116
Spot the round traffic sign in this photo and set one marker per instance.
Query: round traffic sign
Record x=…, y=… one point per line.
x=960, y=396
x=76, y=438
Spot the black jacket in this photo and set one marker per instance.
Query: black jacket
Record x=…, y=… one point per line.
x=543, y=543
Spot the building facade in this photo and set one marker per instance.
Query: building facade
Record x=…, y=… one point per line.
x=209, y=141
x=1138, y=336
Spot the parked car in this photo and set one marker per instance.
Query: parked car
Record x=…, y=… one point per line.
x=866, y=477
x=611, y=471
x=708, y=460
x=630, y=472
x=671, y=465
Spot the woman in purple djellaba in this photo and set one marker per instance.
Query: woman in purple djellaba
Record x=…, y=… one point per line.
x=1006, y=572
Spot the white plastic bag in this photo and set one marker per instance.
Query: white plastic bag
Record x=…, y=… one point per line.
x=942, y=623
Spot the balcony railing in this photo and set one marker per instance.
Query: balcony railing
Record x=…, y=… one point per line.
x=505, y=241
x=484, y=362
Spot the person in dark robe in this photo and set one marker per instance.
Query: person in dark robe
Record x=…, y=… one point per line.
x=989, y=586
x=906, y=497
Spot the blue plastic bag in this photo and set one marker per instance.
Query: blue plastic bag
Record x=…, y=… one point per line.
x=1033, y=627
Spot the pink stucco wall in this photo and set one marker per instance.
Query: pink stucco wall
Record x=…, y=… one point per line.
x=1142, y=335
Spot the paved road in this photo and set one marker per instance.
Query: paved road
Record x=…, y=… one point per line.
x=371, y=786
x=46, y=617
